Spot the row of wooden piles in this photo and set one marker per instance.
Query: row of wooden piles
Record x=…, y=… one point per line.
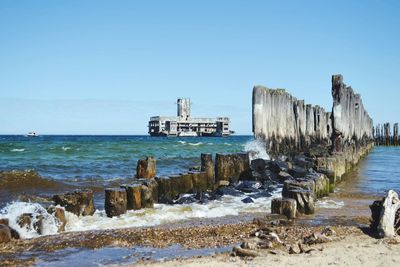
x=383, y=136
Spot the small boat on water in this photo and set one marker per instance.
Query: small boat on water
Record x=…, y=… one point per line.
x=32, y=134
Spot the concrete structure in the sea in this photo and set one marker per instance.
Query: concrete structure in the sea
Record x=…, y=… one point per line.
x=185, y=125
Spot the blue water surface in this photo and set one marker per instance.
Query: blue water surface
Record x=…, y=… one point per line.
x=108, y=157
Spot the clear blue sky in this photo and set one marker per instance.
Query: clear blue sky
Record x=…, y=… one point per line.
x=105, y=67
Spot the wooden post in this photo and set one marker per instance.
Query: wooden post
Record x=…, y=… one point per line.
x=115, y=201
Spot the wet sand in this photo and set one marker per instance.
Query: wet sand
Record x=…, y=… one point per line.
x=354, y=250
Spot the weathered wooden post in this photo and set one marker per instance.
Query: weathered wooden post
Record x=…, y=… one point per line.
x=115, y=201
x=146, y=168
x=79, y=202
x=207, y=166
x=396, y=134
x=387, y=133
x=133, y=195
x=284, y=206
x=146, y=195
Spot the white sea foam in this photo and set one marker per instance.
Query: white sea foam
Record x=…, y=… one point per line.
x=328, y=203
x=227, y=144
x=65, y=148
x=14, y=210
x=195, y=144
x=257, y=149
x=182, y=142
x=18, y=150
x=161, y=214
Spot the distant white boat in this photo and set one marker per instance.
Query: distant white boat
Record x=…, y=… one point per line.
x=32, y=134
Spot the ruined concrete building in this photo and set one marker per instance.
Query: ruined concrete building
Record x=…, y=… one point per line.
x=289, y=125
x=184, y=125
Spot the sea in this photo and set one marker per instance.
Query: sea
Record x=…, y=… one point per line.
x=34, y=169
x=66, y=163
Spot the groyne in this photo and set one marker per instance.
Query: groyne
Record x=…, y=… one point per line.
x=383, y=135
x=334, y=141
x=289, y=126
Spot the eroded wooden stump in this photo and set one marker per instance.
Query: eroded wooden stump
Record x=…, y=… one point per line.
x=284, y=206
x=115, y=202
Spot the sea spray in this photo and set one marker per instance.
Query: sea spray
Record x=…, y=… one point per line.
x=37, y=212
x=257, y=149
x=161, y=214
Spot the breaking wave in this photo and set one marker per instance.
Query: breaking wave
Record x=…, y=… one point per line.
x=160, y=214
x=38, y=215
x=18, y=150
x=256, y=149
x=195, y=144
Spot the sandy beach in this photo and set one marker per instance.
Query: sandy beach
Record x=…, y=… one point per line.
x=355, y=250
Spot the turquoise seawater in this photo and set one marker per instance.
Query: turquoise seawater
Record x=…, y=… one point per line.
x=107, y=157
x=377, y=173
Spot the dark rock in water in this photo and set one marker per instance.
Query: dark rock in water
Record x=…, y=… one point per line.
x=195, y=168
x=202, y=197
x=304, y=162
x=185, y=199
x=79, y=202
x=146, y=168
x=284, y=206
x=228, y=190
x=59, y=214
x=248, y=186
x=165, y=200
x=115, y=202
x=284, y=176
x=295, y=185
x=258, y=169
x=298, y=172
x=278, y=166
x=247, y=200
x=5, y=234
x=259, y=165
